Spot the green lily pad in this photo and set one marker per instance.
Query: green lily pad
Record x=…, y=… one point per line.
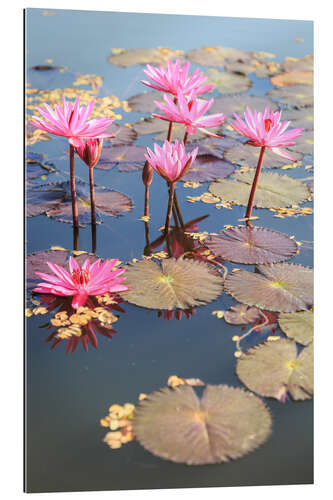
x=241, y=314
x=217, y=56
x=296, y=96
x=145, y=102
x=227, y=423
x=130, y=57
x=229, y=105
x=298, y=326
x=274, y=369
x=304, y=145
x=300, y=118
x=293, y=78
x=273, y=190
x=228, y=83
x=172, y=283
x=280, y=287
x=245, y=154
x=252, y=245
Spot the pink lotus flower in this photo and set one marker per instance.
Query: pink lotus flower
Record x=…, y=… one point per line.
x=70, y=121
x=189, y=111
x=90, y=151
x=80, y=282
x=171, y=160
x=176, y=77
x=265, y=129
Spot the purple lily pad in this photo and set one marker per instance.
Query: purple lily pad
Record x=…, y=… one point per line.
x=127, y=158
x=124, y=135
x=144, y=103
x=208, y=168
x=252, y=245
x=237, y=104
x=37, y=165
x=37, y=262
x=55, y=201
x=297, y=96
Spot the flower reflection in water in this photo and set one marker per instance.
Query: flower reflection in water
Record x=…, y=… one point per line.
x=82, y=325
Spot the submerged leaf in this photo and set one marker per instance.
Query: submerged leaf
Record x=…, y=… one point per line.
x=245, y=154
x=281, y=287
x=274, y=370
x=273, y=190
x=172, y=283
x=127, y=158
x=131, y=57
x=227, y=423
x=228, y=83
x=208, y=168
x=55, y=201
x=37, y=166
x=252, y=245
x=298, y=326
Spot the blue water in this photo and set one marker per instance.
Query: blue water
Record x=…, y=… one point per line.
x=66, y=396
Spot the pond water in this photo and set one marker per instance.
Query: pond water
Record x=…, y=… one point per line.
x=68, y=395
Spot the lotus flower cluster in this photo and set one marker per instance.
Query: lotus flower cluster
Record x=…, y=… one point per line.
x=176, y=78
x=80, y=282
x=71, y=121
x=189, y=111
x=266, y=130
x=171, y=160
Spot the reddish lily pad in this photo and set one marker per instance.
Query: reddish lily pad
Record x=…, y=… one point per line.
x=55, y=201
x=217, y=56
x=291, y=64
x=298, y=326
x=127, y=158
x=274, y=369
x=208, y=168
x=229, y=105
x=273, y=190
x=245, y=154
x=171, y=283
x=296, y=96
x=241, y=314
x=281, y=287
x=252, y=245
x=293, y=78
x=228, y=83
x=227, y=423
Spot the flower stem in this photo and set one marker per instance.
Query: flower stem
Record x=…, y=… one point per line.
x=146, y=200
x=254, y=187
x=72, y=182
x=75, y=237
x=170, y=204
x=92, y=195
x=176, y=205
x=185, y=138
x=93, y=238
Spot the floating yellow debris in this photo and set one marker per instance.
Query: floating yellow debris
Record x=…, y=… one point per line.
x=192, y=184
x=218, y=314
x=238, y=354
x=272, y=338
x=145, y=218
x=235, y=338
